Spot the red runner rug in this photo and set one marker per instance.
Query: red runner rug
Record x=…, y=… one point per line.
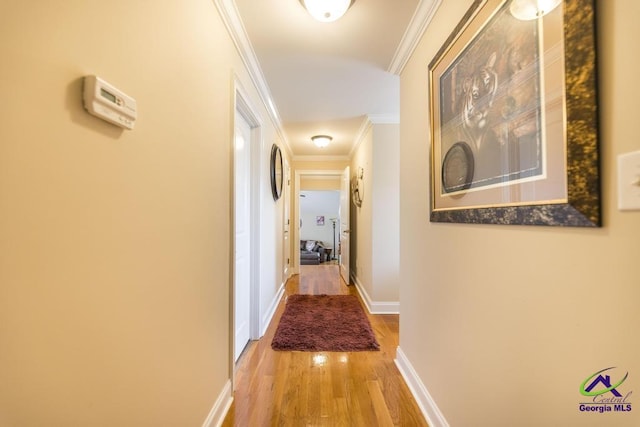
x=324, y=323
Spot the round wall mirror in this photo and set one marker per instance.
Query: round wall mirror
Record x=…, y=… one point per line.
x=276, y=172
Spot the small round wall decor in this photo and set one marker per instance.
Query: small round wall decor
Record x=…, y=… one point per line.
x=457, y=168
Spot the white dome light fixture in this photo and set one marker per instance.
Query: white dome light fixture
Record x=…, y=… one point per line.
x=321, y=141
x=526, y=10
x=327, y=10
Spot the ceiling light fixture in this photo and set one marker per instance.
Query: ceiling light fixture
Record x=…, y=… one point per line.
x=526, y=10
x=327, y=10
x=321, y=140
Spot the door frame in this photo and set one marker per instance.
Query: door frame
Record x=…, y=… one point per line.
x=296, y=220
x=286, y=221
x=345, y=234
x=243, y=106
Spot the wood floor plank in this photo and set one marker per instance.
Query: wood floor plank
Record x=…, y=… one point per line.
x=379, y=404
x=280, y=388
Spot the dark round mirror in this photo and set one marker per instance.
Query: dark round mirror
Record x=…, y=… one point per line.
x=457, y=168
x=276, y=172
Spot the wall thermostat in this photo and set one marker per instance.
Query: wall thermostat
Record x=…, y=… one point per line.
x=108, y=103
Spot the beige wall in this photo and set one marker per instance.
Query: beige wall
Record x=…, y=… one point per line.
x=375, y=224
x=361, y=223
x=503, y=323
x=322, y=165
x=385, y=215
x=272, y=255
x=324, y=184
x=114, y=245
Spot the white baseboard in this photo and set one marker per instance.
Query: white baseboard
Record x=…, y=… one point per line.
x=266, y=319
x=220, y=408
x=375, y=307
x=426, y=403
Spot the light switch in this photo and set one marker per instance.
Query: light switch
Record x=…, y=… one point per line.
x=629, y=181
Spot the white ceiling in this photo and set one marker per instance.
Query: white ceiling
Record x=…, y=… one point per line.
x=328, y=78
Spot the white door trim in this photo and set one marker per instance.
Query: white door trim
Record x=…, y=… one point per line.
x=345, y=225
x=243, y=106
x=242, y=233
x=286, y=222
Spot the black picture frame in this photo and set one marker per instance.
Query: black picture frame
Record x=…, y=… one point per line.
x=580, y=205
x=276, y=172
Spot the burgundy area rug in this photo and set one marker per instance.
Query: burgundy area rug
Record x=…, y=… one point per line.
x=324, y=323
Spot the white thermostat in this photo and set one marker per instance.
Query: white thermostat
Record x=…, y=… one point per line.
x=105, y=101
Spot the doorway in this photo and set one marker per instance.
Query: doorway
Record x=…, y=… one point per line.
x=320, y=222
x=246, y=208
x=306, y=180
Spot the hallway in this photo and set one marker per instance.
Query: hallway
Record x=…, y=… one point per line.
x=322, y=388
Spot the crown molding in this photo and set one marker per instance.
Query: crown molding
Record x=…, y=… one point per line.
x=322, y=178
x=321, y=158
x=384, y=119
x=364, y=128
x=367, y=123
x=417, y=26
x=231, y=18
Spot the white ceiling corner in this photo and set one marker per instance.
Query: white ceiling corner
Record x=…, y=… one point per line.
x=382, y=119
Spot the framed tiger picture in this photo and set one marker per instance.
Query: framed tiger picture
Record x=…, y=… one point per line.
x=513, y=116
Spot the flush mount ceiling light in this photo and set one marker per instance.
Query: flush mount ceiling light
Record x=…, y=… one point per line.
x=526, y=10
x=321, y=140
x=327, y=10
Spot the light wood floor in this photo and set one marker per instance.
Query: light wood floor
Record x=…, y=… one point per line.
x=278, y=388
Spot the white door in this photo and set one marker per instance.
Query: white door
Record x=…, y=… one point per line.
x=242, y=209
x=345, y=203
x=286, y=197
